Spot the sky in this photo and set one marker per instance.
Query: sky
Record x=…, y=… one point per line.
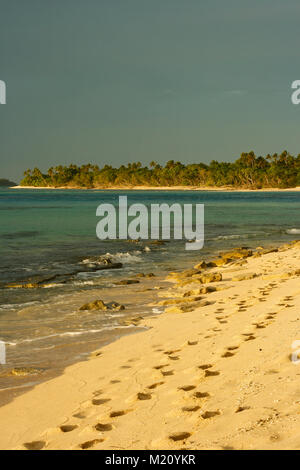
x=117, y=81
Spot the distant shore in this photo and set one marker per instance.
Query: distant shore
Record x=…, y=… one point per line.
x=161, y=188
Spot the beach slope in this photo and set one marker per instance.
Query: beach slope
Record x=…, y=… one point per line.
x=214, y=371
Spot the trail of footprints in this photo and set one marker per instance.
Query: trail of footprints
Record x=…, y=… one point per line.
x=197, y=397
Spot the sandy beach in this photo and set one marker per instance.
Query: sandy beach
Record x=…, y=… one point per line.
x=214, y=371
x=162, y=188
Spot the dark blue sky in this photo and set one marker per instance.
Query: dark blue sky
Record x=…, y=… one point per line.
x=113, y=81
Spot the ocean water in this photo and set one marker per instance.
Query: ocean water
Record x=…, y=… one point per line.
x=51, y=235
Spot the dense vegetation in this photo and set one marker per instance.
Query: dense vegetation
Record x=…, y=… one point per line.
x=248, y=171
x=5, y=182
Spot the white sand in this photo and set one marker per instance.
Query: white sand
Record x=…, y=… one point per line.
x=164, y=188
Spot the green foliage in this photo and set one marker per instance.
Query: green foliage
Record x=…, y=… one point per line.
x=248, y=171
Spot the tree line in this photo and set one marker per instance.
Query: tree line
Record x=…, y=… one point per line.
x=248, y=171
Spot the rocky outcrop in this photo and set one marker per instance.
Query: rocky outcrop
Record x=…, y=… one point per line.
x=100, y=305
x=184, y=274
x=115, y=306
x=25, y=285
x=94, y=305
x=126, y=282
x=201, y=265
x=147, y=276
x=22, y=371
x=218, y=262
x=210, y=277
x=239, y=253
x=183, y=308
x=93, y=264
x=134, y=321
x=244, y=277
x=99, y=263
x=181, y=300
x=199, y=291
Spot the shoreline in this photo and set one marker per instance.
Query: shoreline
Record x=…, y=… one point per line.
x=162, y=188
x=45, y=366
x=210, y=381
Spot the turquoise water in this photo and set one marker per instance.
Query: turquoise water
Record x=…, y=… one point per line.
x=58, y=226
x=52, y=234
x=46, y=231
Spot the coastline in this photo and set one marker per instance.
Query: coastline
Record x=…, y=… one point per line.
x=221, y=377
x=162, y=188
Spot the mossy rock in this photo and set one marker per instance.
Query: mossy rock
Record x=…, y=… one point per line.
x=95, y=305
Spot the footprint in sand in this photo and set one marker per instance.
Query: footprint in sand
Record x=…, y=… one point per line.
x=211, y=373
x=187, y=388
x=90, y=444
x=201, y=395
x=227, y=354
x=100, y=401
x=144, y=396
x=166, y=373
x=174, y=358
x=34, y=445
x=191, y=409
x=103, y=427
x=242, y=408
x=232, y=348
x=156, y=384
x=160, y=367
x=116, y=414
x=68, y=427
x=192, y=343
x=260, y=325
x=173, y=351
x=179, y=436
x=210, y=414
x=205, y=366
x=80, y=415
x=250, y=338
